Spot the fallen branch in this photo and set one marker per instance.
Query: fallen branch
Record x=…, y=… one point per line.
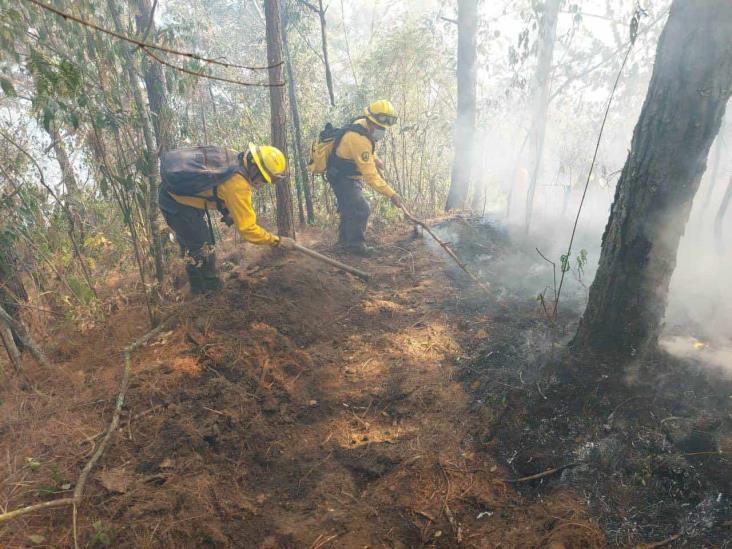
x=84, y=475
x=363, y=275
x=446, y=247
x=544, y=474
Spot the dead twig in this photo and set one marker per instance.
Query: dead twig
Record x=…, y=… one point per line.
x=546, y=473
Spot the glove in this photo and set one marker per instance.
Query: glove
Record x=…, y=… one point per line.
x=396, y=200
x=286, y=243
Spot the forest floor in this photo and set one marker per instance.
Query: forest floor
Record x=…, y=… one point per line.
x=304, y=408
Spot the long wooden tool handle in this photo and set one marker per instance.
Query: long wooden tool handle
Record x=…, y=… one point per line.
x=445, y=247
x=363, y=275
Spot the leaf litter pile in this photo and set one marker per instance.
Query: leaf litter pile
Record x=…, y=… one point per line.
x=305, y=408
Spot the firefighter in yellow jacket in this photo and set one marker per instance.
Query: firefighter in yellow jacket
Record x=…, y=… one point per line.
x=185, y=214
x=354, y=163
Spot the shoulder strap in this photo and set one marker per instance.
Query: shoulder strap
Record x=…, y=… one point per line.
x=356, y=128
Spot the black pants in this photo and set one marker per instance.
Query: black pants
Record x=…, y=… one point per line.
x=194, y=236
x=353, y=208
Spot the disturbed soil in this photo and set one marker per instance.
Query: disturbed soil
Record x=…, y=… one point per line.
x=302, y=407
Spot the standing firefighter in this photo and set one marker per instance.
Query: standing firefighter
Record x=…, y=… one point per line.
x=346, y=157
x=195, y=180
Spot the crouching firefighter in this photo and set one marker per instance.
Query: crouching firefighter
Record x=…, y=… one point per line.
x=347, y=159
x=198, y=179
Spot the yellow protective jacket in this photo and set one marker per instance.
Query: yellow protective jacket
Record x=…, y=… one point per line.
x=236, y=194
x=357, y=148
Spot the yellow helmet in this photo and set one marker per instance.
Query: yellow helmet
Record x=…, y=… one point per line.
x=270, y=160
x=381, y=113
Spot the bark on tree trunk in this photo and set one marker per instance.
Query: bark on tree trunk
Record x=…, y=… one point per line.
x=712, y=177
x=719, y=218
x=297, y=132
x=465, y=123
x=278, y=110
x=681, y=115
x=547, y=37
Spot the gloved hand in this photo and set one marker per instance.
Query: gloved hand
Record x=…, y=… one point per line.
x=396, y=200
x=286, y=243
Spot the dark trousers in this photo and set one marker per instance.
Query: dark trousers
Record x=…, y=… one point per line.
x=194, y=236
x=353, y=208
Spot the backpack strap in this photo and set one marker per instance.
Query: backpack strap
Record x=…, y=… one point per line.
x=356, y=128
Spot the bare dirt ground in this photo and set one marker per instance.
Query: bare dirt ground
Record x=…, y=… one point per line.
x=305, y=408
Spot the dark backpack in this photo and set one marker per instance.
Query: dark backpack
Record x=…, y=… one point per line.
x=190, y=171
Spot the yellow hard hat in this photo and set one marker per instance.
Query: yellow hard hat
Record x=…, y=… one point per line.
x=381, y=113
x=270, y=160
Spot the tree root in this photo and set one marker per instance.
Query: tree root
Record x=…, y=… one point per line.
x=84, y=475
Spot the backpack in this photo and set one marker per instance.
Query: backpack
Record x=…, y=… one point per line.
x=323, y=159
x=190, y=171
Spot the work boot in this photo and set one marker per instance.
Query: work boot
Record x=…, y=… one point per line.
x=211, y=281
x=360, y=249
x=195, y=279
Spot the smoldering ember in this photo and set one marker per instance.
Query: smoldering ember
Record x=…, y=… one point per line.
x=365, y=274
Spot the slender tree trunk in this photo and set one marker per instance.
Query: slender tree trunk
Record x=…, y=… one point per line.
x=278, y=110
x=12, y=289
x=681, y=115
x=152, y=167
x=162, y=121
x=297, y=132
x=8, y=340
x=324, y=40
x=465, y=123
x=71, y=202
x=157, y=96
x=547, y=37
x=67, y=171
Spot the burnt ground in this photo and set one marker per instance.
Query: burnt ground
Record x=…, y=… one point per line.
x=304, y=408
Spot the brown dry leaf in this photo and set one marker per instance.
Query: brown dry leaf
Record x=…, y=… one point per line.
x=116, y=480
x=167, y=463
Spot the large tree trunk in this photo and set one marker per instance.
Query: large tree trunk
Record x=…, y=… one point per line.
x=719, y=218
x=278, y=110
x=296, y=131
x=465, y=124
x=713, y=174
x=542, y=81
x=687, y=95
